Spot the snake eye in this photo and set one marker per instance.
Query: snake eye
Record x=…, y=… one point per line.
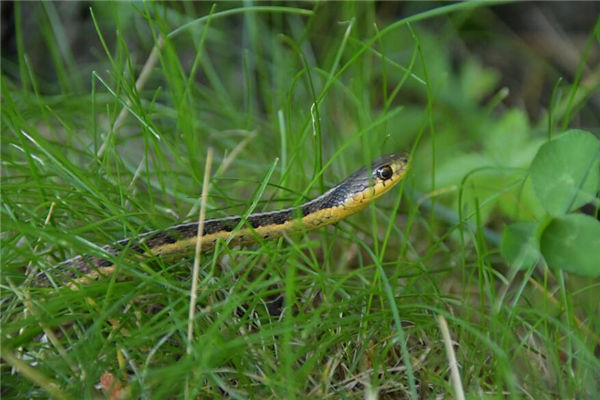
x=384, y=173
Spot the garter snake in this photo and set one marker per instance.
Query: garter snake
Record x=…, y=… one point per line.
x=350, y=196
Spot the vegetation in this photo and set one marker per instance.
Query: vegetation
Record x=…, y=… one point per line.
x=105, y=135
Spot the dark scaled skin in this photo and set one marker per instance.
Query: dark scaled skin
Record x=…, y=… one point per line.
x=340, y=197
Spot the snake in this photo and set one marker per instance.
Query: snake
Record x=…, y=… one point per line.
x=350, y=196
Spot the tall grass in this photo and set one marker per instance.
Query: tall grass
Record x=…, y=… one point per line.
x=292, y=100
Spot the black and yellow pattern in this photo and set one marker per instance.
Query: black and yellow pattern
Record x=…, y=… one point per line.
x=347, y=198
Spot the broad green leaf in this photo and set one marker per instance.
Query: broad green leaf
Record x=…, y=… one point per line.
x=508, y=136
x=572, y=243
x=565, y=172
x=476, y=81
x=519, y=245
x=520, y=203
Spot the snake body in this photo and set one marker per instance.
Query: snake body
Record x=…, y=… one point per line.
x=350, y=196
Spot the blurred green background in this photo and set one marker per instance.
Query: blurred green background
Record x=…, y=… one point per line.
x=108, y=109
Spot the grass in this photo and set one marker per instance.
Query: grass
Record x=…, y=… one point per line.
x=292, y=100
